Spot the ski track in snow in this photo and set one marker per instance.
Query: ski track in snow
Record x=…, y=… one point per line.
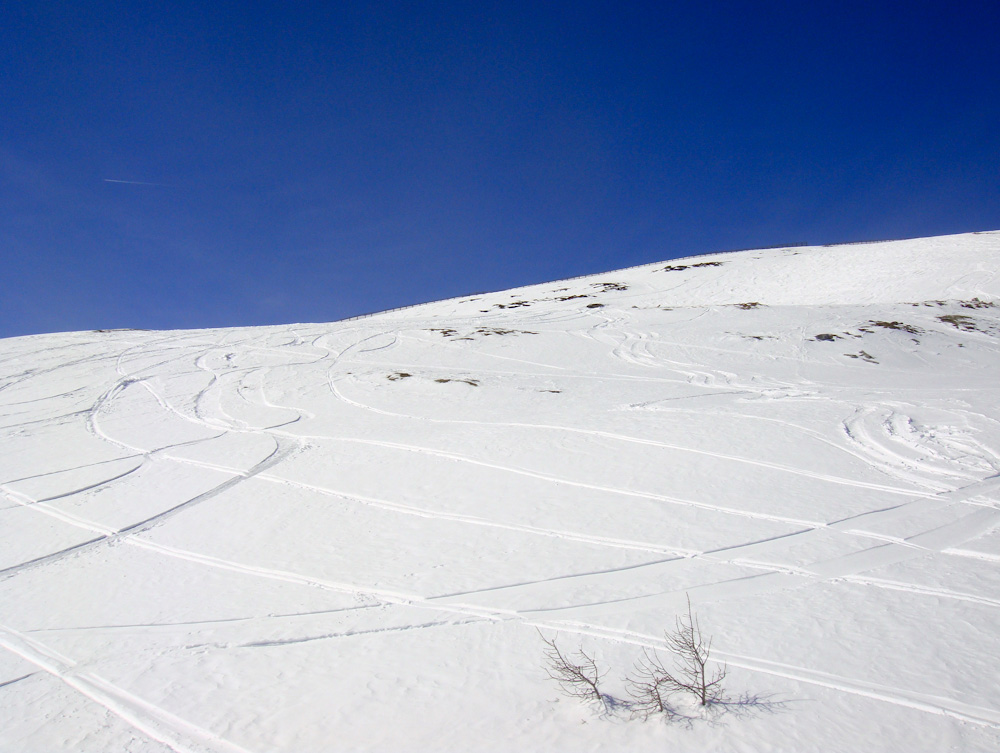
x=945, y=471
x=623, y=438
x=153, y=721
x=741, y=587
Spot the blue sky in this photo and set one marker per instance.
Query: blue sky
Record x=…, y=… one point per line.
x=317, y=160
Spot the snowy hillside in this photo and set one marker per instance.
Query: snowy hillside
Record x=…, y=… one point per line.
x=348, y=536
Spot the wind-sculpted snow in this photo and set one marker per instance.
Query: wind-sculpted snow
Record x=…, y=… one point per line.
x=347, y=536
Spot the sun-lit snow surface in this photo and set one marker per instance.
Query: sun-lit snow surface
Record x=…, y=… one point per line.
x=345, y=536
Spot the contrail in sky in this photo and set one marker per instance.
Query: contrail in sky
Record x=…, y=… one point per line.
x=137, y=183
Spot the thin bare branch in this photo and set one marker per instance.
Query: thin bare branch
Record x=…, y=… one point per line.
x=650, y=686
x=652, y=682
x=578, y=676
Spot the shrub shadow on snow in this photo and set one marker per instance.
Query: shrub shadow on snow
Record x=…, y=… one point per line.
x=716, y=713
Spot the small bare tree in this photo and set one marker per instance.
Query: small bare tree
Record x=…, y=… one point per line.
x=653, y=683
x=649, y=687
x=578, y=676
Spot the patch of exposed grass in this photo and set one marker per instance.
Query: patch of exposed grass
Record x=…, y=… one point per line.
x=680, y=267
x=960, y=321
x=898, y=326
x=975, y=303
x=484, y=331
x=487, y=331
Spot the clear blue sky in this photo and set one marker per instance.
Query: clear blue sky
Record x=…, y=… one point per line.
x=318, y=160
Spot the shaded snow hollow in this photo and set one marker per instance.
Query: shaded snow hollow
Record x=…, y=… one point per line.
x=347, y=536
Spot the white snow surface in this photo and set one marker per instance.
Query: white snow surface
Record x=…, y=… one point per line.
x=348, y=536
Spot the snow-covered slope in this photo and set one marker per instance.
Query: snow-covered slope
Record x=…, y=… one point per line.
x=348, y=536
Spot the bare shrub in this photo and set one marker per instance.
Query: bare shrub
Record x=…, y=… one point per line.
x=653, y=683
x=578, y=675
x=648, y=686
